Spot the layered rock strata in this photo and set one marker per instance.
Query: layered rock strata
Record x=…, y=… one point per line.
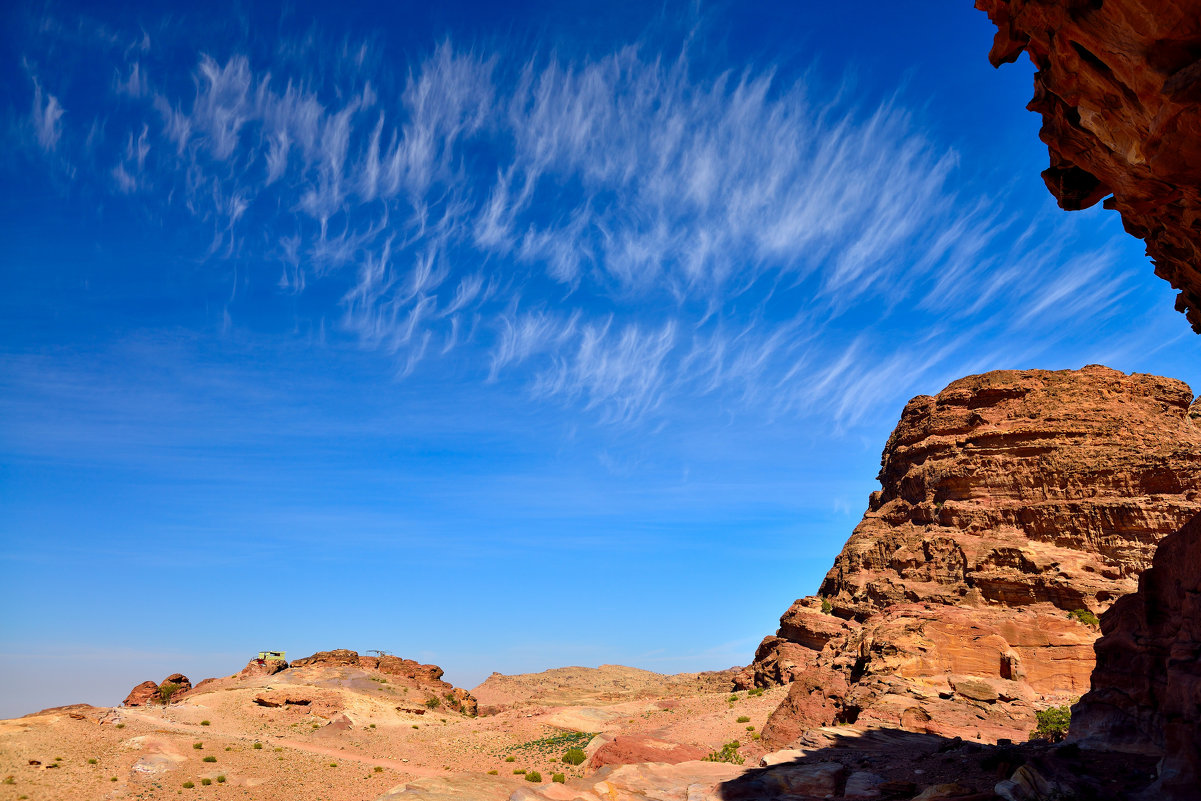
x=1119, y=89
x=1015, y=506
x=1146, y=688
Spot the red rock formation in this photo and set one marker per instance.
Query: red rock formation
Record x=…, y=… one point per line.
x=411, y=673
x=1146, y=689
x=261, y=667
x=143, y=694
x=148, y=692
x=631, y=749
x=338, y=656
x=1119, y=90
x=1008, y=502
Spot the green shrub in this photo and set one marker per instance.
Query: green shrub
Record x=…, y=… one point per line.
x=257, y=746
x=733, y=698
x=559, y=777
x=414, y=726
x=209, y=759
x=120, y=725
x=93, y=761
x=493, y=772
x=533, y=776
x=333, y=764
x=518, y=771
x=113, y=779
x=433, y=703
x=728, y=753
x=743, y=719
x=574, y=756
x=1086, y=617
x=166, y=690
x=221, y=779
x=198, y=746
x=827, y=607
x=188, y=785
x=510, y=759
x=204, y=723
x=372, y=726
x=206, y=782
x=750, y=728
x=1053, y=723
x=10, y=779
x=377, y=769
x=755, y=691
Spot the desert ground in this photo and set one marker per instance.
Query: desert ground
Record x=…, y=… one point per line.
x=347, y=732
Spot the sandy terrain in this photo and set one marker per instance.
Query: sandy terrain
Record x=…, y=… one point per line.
x=350, y=740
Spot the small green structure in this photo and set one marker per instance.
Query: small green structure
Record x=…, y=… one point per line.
x=277, y=656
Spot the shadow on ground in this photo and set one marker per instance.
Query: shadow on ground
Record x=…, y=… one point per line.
x=893, y=764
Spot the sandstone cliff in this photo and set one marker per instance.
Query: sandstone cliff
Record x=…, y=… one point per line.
x=1119, y=90
x=1146, y=689
x=1014, y=507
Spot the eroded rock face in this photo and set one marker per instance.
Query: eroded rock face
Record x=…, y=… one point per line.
x=1119, y=90
x=1146, y=689
x=1013, y=506
x=148, y=692
x=262, y=667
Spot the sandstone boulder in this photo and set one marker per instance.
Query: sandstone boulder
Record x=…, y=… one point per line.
x=629, y=749
x=143, y=694
x=261, y=667
x=148, y=692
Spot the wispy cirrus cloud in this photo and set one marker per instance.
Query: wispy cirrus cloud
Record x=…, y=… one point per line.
x=46, y=116
x=615, y=233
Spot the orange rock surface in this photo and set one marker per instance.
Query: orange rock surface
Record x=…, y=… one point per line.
x=1014, y=505
x=1119, y=90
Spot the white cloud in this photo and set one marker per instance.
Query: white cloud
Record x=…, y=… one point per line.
x=47, y=118
x=612, y=232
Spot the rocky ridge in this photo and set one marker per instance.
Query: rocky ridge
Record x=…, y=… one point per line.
x=1119, y=90
x=1015, y=506
x=403, y=673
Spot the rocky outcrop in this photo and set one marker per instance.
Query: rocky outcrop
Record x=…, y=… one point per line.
x=338, y=656
x=1146, y=688
x=404, y=672
x=148, y=692
x=1014, y=507
x=143, y=694
x=1119, y=89
x=262, y=667
x=630, y=749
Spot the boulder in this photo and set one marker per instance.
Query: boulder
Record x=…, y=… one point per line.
x=143, y=694
x=262, y=667
x=629, y=749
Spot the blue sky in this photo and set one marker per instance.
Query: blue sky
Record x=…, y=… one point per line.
x=502, y=336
